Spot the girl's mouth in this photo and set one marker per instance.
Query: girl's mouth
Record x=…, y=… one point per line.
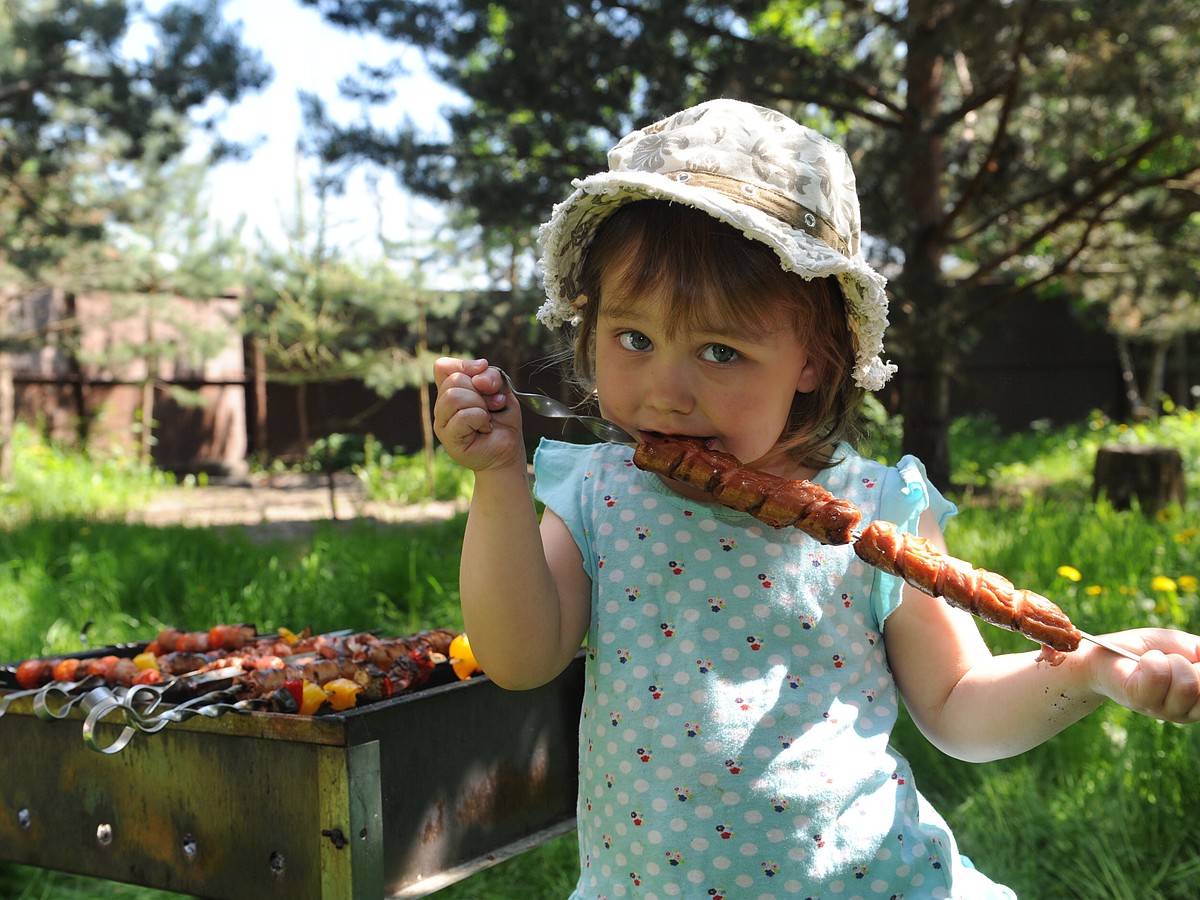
x=709, y=443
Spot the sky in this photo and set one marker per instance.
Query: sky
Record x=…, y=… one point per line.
x=308, y=54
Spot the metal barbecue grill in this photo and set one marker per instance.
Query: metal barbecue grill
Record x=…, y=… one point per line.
x=397, y=798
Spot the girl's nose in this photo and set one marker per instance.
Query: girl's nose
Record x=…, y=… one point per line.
x=667, y=391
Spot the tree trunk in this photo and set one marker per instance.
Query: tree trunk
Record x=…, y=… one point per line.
x=8, y=398
x=925, y=405
x=1138, y=409
x=922, y=314
x=1181, y=388
x=8, y=403
x=1156, y=377
x=329, y=464
x=145, y=442
x=70, y=349
x=256, y=397
x=331, y=483
x=427, y=437
x=302, y=415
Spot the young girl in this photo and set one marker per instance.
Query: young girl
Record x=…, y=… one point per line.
x=742, y=681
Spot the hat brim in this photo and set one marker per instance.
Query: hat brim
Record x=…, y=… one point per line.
x=564, y=239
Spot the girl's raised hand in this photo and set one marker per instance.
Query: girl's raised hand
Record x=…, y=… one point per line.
x=474, y=417
x=1165, y=684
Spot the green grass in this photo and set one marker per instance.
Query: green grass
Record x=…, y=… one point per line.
x=52, y=481
x=130, y=580
x=1108, y=808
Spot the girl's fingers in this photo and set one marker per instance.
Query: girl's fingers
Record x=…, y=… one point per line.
x=490, y=385
x=1166, y=686
x=460, y=409
x=472, y=416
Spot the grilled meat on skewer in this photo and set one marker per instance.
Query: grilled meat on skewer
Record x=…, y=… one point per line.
x=341, y=670
x=771, y=499
x=406, y=673
x=219, y=637
x=380, y=651
x=985, y=594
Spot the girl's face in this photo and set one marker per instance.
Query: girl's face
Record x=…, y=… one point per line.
x=732, y=389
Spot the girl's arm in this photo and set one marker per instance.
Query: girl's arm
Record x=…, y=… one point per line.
x=977, y=707
x=525, y=595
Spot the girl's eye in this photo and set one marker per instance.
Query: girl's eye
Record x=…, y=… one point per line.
x=718, y=353
x=634, y=340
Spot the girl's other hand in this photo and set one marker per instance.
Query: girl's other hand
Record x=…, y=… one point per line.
x=1165, y=684
x=474, y=417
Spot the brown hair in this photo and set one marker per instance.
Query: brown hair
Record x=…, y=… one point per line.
x=718, y=279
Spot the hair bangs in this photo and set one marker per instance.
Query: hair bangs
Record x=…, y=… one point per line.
x=703, y=269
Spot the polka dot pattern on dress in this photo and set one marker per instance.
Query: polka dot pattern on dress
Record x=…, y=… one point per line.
x=738, y=705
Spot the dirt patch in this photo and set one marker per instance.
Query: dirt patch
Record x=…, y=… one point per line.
x=283, y=506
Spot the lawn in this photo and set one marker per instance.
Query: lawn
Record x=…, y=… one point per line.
x=1105, y=809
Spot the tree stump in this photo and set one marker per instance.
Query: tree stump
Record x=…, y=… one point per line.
x=1153, y=475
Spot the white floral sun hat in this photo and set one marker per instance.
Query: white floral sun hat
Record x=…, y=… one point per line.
x=754, y=168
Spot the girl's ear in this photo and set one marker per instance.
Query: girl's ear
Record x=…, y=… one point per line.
x=809, y=378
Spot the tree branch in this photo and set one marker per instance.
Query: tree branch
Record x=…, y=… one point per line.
x=1061, y=265
x=1071, y=210
x=1101, y=183
x=833, y=76
x=987, y=165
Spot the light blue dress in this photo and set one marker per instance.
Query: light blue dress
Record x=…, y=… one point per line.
x=738, y=702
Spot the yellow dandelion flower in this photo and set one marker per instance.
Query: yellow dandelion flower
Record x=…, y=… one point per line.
x=1188, y=583
x=1093, y=590
x=1162, y=584
x=1070, y=573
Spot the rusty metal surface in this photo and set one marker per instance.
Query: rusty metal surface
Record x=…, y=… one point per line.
x=503, y=767
x=393, y=799
x=203, y=814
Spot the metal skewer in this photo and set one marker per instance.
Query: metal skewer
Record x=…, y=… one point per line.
x=548, y=406
x=17, y=695
x=99, y=702
x=1112, y=648
x=55, y=700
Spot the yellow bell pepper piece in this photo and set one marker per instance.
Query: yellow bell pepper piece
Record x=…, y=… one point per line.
x=312, y=698
x=342, y=693
x=462, y=658
x=146, y=661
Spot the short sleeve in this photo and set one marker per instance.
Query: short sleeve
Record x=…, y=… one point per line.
x=560, y=473
x=907, y=493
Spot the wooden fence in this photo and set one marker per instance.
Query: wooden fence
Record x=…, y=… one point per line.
x=1036, y=361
